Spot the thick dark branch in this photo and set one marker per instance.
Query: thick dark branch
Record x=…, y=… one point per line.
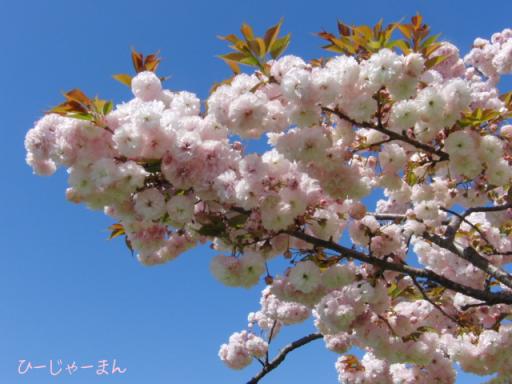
x=457, y=218
x=472, y=256
x=495, y=208
x=473, y=305
x=489, y=297
x=469, y=253
x=282, y=355
x=392, y=135
x=451, y=231
x=453, y=226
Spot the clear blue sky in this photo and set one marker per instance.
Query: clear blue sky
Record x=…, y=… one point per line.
x=65, y=291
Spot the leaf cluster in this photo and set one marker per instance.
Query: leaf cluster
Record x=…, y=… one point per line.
x=140, y=64
x=362, y=41
x=79, y=106
x=255, y=51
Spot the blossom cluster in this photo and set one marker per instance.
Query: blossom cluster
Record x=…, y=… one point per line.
x=424, y=139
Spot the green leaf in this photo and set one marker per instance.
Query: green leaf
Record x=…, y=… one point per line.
x=394, y=291
x=280, y=46
x=400, y=44
x=214, y=229
x=414, y=336
x=428, y=51
x=374, y=45
x=107, y=108
x=250, y=60
x=81, y=116
x=410, y=176
x=238, y=221
x=430, y=40
x=152, y=166
x=433, y=61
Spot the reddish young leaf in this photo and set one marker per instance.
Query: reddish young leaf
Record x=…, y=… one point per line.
x=234, y=56
x=116, y=230
x=405, y=29
x=257, y=46
x=247, y=32
x=231, y=38
x=78, y=96
x=344, y=29
x=416, y=20
x=138, y=61
x=271, y=35
x=151, y=62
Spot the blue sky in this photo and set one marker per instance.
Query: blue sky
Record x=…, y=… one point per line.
x=65, y=291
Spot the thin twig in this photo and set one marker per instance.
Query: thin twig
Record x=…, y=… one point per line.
x=270, y=336
x=385, y=321
x=427, y=298
x=393, y=135
x=282, y=355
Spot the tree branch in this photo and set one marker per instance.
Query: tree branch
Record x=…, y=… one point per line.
x=387, y=216
x=457, y=219
x=282, y=355
x=489, y=297
x=472, y=256
x=393, y=135
x=431, y=301
x=469, y=253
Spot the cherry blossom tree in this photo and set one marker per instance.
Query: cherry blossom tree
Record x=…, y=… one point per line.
x=421, y=280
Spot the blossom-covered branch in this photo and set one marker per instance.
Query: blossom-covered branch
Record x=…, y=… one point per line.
x=490, y=298
x=471, y=255
x=391, y=134
x=419, y=279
